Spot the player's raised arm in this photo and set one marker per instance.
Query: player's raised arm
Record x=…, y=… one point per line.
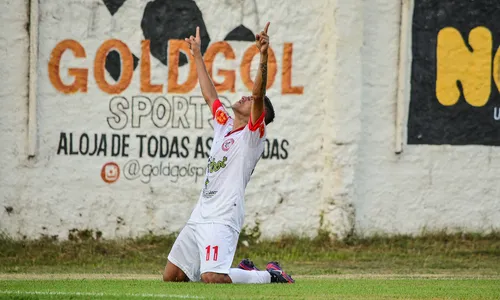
x=259, y=86
x=207, y=87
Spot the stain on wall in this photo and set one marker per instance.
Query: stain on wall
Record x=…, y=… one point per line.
x=455, y=81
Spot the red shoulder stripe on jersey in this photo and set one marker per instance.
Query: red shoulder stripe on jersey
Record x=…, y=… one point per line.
x=255, y=126
x=215, y=106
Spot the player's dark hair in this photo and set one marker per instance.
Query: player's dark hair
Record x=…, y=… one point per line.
x=269, y=110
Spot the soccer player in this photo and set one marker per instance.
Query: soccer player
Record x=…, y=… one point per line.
x=205, y=248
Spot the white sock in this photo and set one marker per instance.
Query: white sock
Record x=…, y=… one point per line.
x=244, y=276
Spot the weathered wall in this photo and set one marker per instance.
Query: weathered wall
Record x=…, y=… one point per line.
x=82, y=100
x=331, y=160
x=431, y=185
x=14, y=47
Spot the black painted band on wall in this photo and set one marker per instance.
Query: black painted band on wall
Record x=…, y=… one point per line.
x=455, y=96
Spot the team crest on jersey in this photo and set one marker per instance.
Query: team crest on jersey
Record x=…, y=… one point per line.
x=262, y=130
x=221, y=116
x=227, y=144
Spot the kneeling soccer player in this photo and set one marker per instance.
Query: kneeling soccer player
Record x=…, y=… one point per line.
x=205, y=248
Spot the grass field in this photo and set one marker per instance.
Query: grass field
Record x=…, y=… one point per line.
x=305, y=288
x=431, y=266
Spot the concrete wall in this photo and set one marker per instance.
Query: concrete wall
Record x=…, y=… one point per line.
x=426, y=187
x=331, y=162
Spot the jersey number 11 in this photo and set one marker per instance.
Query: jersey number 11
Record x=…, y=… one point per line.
x=216, y=252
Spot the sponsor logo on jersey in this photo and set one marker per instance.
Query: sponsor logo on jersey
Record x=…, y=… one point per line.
x=221, y=116
x=215, y=166
x=227, y=144
x=206, y=192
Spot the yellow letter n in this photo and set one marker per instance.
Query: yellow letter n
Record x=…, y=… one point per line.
x=455, y=62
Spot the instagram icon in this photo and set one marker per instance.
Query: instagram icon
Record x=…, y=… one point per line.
x=110, y=172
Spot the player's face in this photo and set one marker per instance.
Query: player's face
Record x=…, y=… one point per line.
x=244, y=105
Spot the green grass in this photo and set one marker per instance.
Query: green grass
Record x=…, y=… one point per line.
x=306, y=288
x=437, y=253
x=456, y=266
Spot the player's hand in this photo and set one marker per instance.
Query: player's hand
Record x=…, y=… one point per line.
x=194, y=42
x=262, y=40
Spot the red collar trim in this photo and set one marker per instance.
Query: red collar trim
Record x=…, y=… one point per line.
x=235, y=130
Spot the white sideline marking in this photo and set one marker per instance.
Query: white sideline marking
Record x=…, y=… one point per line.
x=99, y=294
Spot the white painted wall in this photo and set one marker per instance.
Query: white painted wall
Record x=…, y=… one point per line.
x=14, y=43
x=341, y=166
x=425, y=187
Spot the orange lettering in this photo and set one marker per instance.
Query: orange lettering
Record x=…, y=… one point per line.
x=81, y=75
x=146, y=86
x=286, y=77
x=230, y=76
x=247, y=61
x=174, y=48
x=127, y=68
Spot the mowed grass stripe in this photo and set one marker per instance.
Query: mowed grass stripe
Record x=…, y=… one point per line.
x=322, y=288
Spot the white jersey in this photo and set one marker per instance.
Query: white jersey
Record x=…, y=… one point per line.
x=233, y=157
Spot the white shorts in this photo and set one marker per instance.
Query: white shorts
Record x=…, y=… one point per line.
x=202, y=248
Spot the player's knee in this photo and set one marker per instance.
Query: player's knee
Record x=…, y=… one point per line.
x=175, y=278
x=174, y=275
x=170, y=277
x=210, y=277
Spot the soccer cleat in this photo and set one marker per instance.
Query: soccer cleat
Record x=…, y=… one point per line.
x=247, y=264
x=277, y=273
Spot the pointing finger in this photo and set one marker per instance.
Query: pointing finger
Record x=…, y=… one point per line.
x=197, y=32
x=267, y=27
